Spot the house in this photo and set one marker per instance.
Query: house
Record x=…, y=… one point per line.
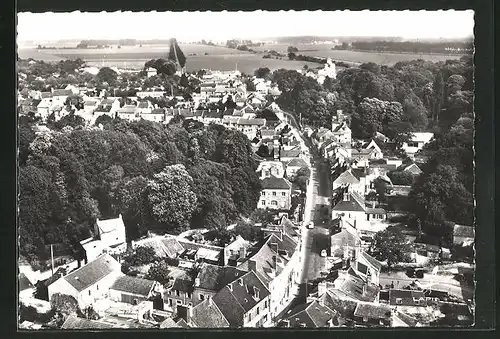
x=129, y=112
x=243, y=302
x=90, y=105
x=250, y=127
x=145, y=107
x=133, y=290
x=413, y=169
x=416, y=142
x=150, y=71
x=26, y=287
x=294, y=165
x=89, y=282
x=341, y=132
x=350, y=286
x=290, y=154
x=367, y=267
x=463, y=235
x=156, y=115
x=276, y=263
x=314, y=314
x=322, y=135
x=109, y=236
x=377, y=154
x=212, y=116
x=344, y=243
x=198, y=252
x=353, y=207
x=44, y=107
x=373, y=314
x=276, y=193
x=353, y=179
x=236, y=251
x=112, y=104
x=211, y=279
x=164, y=247
x=59, y=96
x=400, y=297
x=179, y=293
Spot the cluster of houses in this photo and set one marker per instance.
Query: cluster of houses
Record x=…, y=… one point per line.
x=242, y=284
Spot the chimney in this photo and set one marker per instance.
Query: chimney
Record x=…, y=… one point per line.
x=275, y=262
x=286, y=323
x=189, y=313
x=243, y=252
x=252, y=265
x=240, y=282
x=373, y=204
x=346, y=196
x=230, y=286
x=364, y=289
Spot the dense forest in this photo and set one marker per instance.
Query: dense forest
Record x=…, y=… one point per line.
x=444, y=47
x=163, y=178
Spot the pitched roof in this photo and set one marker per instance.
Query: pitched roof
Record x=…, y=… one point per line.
x=182, y=285
x=463, y=231
x=133, y=285
x=345, y=238
x=46, y=95
x=298, y=162
x=24, y=282
x=373, y=311
x=350, y=285
x=354, y=204
x=169, y=323
x=407, y=296
x=346, y=178
x=172, y=247
x=91, y=273
x=413, y=168
x=290, y=153
x=312, y=315
x=273, y=182
x=240, y=297
x=207, y=315
x=371, y=260
x=252, y=122
x=75, y=323
x=110, y=225
x=182, y=323
x=62, y=92
x=143, y=104
x=214, y=278
x=127, y=109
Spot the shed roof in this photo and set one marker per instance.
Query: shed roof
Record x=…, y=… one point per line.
x=133, y=285
x=91, y=273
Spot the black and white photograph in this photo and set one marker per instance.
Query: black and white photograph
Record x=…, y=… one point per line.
x=245, y=169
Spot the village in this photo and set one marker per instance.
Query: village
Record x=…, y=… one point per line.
x=330, y=196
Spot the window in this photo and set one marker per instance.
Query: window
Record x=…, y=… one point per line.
x=365, y=319
x=258, y=311
x=97, y=287
x=274, y=203
x=202, y=297
x=190, y=304
x=189, y=295
x=177, y=293
x=263, y=193
x=263, y=202
x=274, y=194
x=283, y=194
x=170, y=302
x=179, y=302
x=412, y=144
x=265, y=303
x=89, y=292
x=399, y=301
x=249, y=317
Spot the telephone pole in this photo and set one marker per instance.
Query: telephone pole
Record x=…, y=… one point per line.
x=52, y=258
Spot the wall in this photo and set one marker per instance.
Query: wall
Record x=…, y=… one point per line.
x=100, y=289
x=261, y=319
x=117, y=296
x=184, y=298
x=63, y=287
x=114, y=238
x=357, y=219
x=283, y=202
x=206, y=293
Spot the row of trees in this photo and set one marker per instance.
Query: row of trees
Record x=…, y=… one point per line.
x=167, y=178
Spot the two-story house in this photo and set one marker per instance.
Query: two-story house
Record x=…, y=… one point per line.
x=277, y=263
x=134, y=290
x=129, y=112
x=109, y=236
x=355, y=179
x=90, y=282
x=373, y=314
x=353, y=207
x=243, y=302
x=250, y=127
x=276, y=193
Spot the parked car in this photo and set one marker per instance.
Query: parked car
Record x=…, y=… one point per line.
x=415, y=272
x=310, y=224
x=323, y=253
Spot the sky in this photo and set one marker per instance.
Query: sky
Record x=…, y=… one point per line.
x=219, y=26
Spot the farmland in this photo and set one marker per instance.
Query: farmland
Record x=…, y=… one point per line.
x=199, y=56
x=219, y=57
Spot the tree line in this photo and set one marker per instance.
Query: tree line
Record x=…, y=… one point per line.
x=444, y=47
x=163, y=178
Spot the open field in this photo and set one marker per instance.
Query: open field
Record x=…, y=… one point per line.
x=220, y=58
x=388, y=59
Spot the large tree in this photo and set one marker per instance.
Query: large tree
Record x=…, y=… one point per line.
x=390, y=245
x=107, y=75
x=171, y=198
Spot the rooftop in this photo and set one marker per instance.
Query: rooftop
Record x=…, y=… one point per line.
x=214, y=278
x=75, y=323
x=133, y=285
x=276, y=183
x=91, y=273
x=463, y=231
x=372, y=311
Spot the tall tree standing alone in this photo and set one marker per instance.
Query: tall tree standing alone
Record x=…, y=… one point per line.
x=438, y=88
x=176, y=54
